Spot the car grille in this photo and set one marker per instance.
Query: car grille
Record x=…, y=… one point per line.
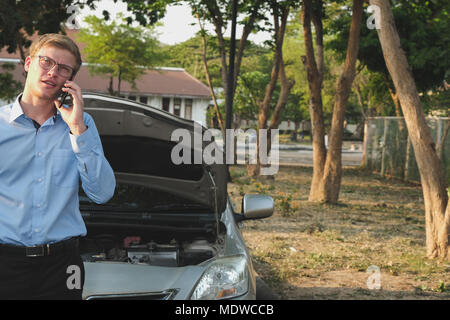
x=163, y=295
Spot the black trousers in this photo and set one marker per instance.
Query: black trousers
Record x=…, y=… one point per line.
x=55, y=277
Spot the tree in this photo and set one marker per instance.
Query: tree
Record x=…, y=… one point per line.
x=118, y=50
x=218, y=13
x=20, y=20
x=437, y=208
x=326, y=180
x=250, y=88
x=314, y=71
x=189, y=55
x=422, y=26
x=9, y=88
x=280, y=13
x=208, y=77
x=331, y=181
x=295, y=112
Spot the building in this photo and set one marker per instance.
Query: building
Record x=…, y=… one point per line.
x=170, y=89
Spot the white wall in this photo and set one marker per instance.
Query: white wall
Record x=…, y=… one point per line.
x=284, y=125
x=199, y=106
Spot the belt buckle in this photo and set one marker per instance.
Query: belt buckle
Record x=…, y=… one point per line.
x=31, y=251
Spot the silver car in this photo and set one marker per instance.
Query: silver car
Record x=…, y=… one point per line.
x=170, y=231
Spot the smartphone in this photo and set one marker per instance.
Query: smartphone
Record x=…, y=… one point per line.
x=64, y=95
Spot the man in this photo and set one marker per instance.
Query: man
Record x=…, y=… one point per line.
x=45, y=149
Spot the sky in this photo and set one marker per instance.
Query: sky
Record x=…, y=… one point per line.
x=176, y=26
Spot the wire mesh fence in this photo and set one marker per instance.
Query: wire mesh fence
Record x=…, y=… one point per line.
x=388, y=149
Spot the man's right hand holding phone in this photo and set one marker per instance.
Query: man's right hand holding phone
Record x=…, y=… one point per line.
x=73, y=115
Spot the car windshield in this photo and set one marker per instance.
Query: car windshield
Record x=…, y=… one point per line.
x=130, y=197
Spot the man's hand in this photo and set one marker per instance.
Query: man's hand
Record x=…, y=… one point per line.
x=73, y=116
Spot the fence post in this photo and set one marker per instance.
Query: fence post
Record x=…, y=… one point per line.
x=364, y=162
x=438, y=134
x=383, y=151
x=408, y=150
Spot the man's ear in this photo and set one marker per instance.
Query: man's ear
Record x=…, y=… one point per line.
x=26, y=65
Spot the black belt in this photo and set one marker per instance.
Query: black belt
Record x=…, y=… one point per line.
x=41, y=250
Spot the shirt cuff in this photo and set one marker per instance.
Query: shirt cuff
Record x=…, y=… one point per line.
x=84, y=142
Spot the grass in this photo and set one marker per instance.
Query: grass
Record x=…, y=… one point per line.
x=311, y=250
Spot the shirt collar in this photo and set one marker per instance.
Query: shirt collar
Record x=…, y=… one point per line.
x=17, y=111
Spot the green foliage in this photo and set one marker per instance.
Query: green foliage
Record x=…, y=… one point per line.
x=249, y=91
x=21, y=19
x=119, y=50
x=423, y=28
x=293, y=49
x=9, y=88
x=255, y=71
x=147, y=12
x=296, y=109
x=438, y=100
x=189, y=55
x=284, y=204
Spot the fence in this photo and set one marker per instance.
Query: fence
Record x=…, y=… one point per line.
x=388, y=149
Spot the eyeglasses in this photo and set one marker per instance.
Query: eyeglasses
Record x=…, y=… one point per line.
x=47, y=63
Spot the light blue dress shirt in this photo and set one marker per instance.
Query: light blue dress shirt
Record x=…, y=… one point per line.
x=39, y=174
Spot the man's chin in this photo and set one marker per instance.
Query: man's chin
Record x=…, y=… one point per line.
x=50, y=96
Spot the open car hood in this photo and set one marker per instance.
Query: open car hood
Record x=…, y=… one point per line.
x=136, y=140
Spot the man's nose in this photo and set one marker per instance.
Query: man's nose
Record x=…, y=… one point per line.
x=53, y=70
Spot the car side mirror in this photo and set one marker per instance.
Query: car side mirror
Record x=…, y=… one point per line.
x=256, y=206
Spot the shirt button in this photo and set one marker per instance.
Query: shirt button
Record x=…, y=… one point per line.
x=39, y=180
x=81, y=143
x=39, y=154
x=36, y=230
x=38, y=205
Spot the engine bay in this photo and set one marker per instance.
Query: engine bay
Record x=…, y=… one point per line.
x=140, y=250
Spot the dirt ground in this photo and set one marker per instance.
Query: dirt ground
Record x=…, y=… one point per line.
x=369, y=246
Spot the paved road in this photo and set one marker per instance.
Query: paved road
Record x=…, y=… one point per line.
x=303, y=155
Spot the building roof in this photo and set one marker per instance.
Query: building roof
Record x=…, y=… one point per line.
x=161, y=81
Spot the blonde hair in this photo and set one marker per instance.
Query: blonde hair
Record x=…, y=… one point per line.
x=59, y=41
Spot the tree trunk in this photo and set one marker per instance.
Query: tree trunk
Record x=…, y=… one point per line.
x=246, y=31
x=119, y=82
x=360, y=102
x=208, y=78
x=294, y=134
x=331, y=182
x=437, y=210
x=264, y=106
x=286, y=87
x=315, y=101
x=216, y=16
x=396, y=100
x=111, y=88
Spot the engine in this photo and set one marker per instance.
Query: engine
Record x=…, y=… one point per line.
x=137, y=250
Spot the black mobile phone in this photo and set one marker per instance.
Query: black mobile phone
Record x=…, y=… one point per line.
x=64, y=95
x=63, y=98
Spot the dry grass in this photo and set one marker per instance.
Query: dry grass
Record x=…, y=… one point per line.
x=308, y=250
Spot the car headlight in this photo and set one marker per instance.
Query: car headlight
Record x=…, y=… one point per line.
x=225, y=278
